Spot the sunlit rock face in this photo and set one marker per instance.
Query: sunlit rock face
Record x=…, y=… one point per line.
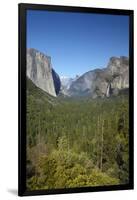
x=103, y=82
x=119, y=69
x=39, y=70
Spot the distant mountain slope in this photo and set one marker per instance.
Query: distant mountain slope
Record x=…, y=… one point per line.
x=103, y=82
x=39, y=70
x=66, y=81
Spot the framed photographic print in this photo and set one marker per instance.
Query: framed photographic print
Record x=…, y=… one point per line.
x=75, y=99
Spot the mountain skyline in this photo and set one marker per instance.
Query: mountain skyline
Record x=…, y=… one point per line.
x=82, y=42
x=77, y=94
x=95, y=83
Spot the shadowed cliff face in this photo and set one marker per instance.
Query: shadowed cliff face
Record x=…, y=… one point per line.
x=56, y=80
x=39, y=70
x=103, y=82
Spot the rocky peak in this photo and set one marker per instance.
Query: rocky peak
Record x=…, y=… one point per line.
x=40, y=71
x=103, y=82
x=118, y=64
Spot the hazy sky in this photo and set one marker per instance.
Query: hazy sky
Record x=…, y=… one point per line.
x=77, y=42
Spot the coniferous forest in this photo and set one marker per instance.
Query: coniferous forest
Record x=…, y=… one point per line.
x=76, y=142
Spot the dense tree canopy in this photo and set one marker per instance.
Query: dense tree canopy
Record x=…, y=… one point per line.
x=76, y=142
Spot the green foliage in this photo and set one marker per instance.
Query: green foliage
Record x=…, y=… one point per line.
x=76, y=143
x=63, y=169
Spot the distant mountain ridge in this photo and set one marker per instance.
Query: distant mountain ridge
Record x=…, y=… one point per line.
x=103, y=82
x=96, y=83
x=66, y=81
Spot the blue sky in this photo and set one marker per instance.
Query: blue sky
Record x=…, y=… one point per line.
x=77, y=42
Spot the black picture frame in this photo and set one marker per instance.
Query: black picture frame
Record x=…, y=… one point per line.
x=22, y=8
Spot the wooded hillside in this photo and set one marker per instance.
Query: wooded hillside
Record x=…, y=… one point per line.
x=76, y=142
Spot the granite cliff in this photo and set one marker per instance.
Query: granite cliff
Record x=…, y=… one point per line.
x=40, y=72
x=103, y=82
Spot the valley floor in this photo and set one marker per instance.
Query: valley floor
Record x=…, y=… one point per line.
x=76, y=143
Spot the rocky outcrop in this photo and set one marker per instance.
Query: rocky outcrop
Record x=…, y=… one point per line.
x=103, y=82
x=119, y=70
x=39, y=70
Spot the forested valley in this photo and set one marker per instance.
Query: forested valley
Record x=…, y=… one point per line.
x=76, y=142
